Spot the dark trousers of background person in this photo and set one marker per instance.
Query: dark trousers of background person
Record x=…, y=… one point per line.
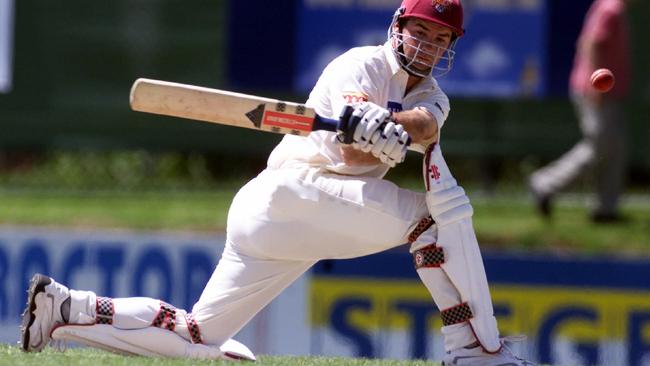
x=602, y=150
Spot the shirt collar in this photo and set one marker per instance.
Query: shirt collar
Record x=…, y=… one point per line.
x=395, y=67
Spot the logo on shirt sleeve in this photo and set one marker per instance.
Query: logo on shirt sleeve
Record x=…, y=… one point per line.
x=352, y=97
x=394, y=106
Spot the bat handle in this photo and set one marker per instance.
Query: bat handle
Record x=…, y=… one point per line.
x=334, y=125
x=326, y=124
x=340, y=126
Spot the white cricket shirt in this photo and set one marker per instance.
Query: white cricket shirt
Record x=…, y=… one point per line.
x=361, y=74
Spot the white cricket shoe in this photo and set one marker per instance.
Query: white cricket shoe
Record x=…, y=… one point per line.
x=477, y=357
x=43, y=312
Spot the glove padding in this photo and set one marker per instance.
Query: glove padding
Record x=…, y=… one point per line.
x=389, y=144
x=370, y=129
x=371, y=118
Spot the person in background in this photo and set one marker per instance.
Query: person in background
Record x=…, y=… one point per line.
x=604, y=42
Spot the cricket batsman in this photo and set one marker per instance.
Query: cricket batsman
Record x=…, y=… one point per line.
x=322, y=197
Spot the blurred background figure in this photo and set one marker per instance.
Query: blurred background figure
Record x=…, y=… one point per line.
x=603, y=43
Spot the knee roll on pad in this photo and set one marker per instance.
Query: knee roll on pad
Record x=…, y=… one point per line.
x=449, y=205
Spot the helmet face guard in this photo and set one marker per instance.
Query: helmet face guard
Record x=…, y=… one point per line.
x=442, y=59
x=427, y=58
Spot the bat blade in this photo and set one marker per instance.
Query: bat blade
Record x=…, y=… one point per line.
x=226, y=108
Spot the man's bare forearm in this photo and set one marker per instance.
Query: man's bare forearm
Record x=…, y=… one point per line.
x=420, y=124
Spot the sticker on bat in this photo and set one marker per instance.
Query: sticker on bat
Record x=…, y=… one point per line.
x=287, y=120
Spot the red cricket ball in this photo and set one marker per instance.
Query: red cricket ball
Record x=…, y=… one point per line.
x=602, y=80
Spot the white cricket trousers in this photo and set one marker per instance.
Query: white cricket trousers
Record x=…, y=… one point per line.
x=284, y=221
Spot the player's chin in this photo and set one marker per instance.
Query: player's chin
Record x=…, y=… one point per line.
x=422, y=68
x=422, y=64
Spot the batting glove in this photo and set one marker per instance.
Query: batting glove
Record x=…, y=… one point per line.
x=357, y=125
x=372, y=118
x=389, y=144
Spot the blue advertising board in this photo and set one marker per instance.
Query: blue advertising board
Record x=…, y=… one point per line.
x=502, y=54
x=593, y=311
x=328, y=28
x=171, y=266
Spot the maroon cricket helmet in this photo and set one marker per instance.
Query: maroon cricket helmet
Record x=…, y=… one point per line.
x=448, y=13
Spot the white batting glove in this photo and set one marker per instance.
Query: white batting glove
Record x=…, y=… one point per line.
x=371, y=118
x=369, y=128
x=389, y=144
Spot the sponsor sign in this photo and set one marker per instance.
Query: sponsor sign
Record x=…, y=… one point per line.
x=170, y=266
x=573, y=312
x=6, y=44
x=352, y=97
x=491, y=60
x=338, y=26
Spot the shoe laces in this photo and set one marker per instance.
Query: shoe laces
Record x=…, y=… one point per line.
x=60, y=345
x=514, y=339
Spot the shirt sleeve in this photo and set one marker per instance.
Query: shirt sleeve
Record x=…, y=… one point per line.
x=438, y=106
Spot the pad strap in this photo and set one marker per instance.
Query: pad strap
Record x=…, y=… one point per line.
x=428, y=257
x=422, y=226
x=104, y=310
x=457, y=314
x=193, y=328
x=166, y=317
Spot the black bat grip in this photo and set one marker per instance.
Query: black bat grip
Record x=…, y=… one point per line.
x=325, y=124
x=346, y=125
x=341, y=125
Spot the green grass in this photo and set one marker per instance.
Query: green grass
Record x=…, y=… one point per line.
x=504, y=221
x=11, y=355
x=501, y=220
x=173, y=210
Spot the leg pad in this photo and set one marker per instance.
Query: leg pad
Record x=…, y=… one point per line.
x=149, y=342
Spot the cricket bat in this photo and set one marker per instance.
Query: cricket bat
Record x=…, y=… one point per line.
x=227, y=108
